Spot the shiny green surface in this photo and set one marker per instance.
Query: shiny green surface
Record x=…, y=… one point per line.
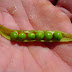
x=14, y=35
x=22, y=36
x=39, y=35
x=31, y=36
x=5, y=32
x=48, y=35
x=57, y=35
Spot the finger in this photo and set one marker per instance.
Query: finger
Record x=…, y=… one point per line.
x=67, y=12
x=66, y=4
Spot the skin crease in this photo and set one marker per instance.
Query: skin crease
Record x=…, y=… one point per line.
x=65, y=4
x=35, y=56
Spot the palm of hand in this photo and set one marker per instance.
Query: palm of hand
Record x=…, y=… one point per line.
x=34, y=57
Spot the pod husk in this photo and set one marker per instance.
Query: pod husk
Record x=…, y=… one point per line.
x=5, y=32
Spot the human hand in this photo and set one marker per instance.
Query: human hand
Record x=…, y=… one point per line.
x=35, y=56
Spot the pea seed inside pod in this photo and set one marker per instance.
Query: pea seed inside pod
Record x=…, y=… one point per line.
x=57, y=35
x=31, y=36
x=14, y=35
x=48, y=35
x=22, y=36
x=39, y=35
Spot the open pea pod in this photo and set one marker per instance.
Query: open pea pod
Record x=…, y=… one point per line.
x=6, y=33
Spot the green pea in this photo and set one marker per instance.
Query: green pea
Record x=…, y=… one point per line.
x=14, y=35
x=39, y=35
x=22, y=36
x=48, y=35
x=31, y=36
x=57, y=35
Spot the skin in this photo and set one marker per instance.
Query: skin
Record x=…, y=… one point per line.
x=34, y=57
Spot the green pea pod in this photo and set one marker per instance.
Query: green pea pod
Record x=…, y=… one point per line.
x=5, y=32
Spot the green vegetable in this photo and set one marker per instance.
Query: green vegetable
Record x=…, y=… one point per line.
x=14, y=35
x=48, y=35
x=57, y=35
x=31, y=36
x=22, y=36
x=39, y=35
